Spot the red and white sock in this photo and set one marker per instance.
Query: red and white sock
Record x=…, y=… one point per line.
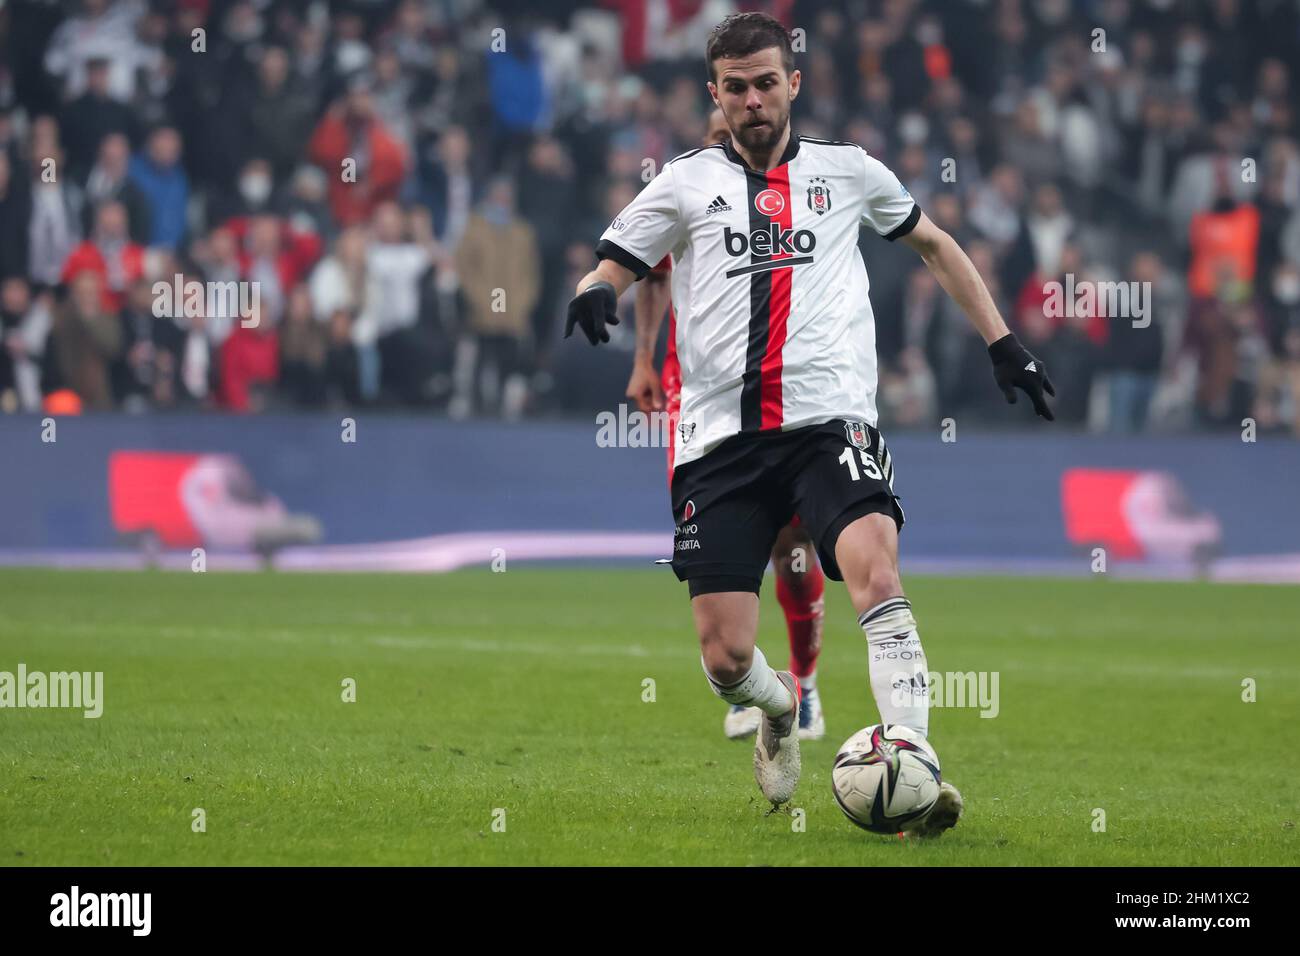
x=801, y=595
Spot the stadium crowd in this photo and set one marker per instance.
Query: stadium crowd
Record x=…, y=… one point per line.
x=414, y=186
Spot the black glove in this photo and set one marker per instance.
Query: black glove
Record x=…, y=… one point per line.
x=593, y=309
x=1014, y=367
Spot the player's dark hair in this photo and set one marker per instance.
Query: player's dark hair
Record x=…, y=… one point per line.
x=742, y=34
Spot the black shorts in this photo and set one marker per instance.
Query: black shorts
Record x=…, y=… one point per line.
x=730, y=505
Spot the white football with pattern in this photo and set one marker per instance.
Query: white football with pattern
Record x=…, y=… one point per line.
x=886, y=778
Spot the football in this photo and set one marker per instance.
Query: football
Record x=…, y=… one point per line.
x=886, y=778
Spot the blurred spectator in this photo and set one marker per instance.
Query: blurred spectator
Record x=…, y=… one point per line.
x=15, y=214
x=54, y=227
x=392, y=93
x=158, y=174
x=547, y=200
x=143, y=375
x=255, y=185
x=14, y=297
x=447, y=185
x=1134, y=353
x=92, y=116
x=995, y=207
x=108, y=181
x=1224, y=334
x=497, y=264
x=1045, y=230
x=363, y=161
x=249, y=364
x=1226, y=236
x=24, y=327
x=84, y=340
x=303, y=204
x=102, y=31
x=273, y=255
x=518, y=94
x=395, y=266
x=110, y=254
x=339, y=303
x=317, y=360
x=280, y=114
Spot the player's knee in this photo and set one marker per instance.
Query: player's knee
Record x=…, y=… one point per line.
x=876, y=581
x=726, y=660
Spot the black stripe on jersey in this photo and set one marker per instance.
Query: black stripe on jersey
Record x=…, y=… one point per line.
x=906, y=226
x=611, y=250
x=760, y=303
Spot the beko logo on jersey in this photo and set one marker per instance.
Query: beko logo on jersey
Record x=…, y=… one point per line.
x=770, y=241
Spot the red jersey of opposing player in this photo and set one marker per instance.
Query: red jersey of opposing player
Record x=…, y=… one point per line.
x=671, y=377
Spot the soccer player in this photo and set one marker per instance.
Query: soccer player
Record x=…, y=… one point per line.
x=799, y=581
x=776, y=342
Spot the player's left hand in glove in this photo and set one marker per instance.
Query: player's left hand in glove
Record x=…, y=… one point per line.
x=1015, y=367
x=593, y=309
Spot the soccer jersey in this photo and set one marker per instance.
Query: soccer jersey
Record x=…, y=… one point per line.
x=773, y=326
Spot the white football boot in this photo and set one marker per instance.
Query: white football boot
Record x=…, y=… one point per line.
x=945, y=813
x=812, y=723
x=776, y=749
x=741, y=722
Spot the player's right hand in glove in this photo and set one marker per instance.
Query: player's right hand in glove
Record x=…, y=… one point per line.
x=1015, y=367
x=593, y=309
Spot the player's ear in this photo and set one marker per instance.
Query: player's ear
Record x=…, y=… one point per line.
x=713, y=92
x=795, y=79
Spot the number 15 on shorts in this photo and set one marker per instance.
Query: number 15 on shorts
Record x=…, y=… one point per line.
x=869, y=463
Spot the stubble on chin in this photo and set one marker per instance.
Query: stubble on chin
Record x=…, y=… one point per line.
x=761, y=140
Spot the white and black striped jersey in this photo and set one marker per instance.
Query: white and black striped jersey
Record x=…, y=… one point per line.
x=774, y=326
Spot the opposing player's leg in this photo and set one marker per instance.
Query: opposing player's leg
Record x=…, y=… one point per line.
x=725, y=531
x=741, y=722
x=800, y=590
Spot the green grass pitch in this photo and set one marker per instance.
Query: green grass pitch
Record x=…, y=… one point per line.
x=523, y=691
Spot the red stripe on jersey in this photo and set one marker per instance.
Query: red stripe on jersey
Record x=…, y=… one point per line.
x=671, y=379
x=773, y=414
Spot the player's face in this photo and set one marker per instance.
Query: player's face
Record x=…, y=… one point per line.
x=754, y=93
x=717, y=131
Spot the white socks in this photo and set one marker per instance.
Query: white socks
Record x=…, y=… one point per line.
x=897, y=664
x=759, y=688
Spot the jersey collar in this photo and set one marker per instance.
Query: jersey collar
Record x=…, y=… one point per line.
x=791, y=149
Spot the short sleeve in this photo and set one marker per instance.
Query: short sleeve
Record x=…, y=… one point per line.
x=647, y=228
x=887, y=206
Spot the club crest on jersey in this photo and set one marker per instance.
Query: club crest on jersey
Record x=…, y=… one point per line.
x=819, y=196
x=858, y=435
x=685, y=430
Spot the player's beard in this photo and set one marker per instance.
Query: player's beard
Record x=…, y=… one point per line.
x=763, y=140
